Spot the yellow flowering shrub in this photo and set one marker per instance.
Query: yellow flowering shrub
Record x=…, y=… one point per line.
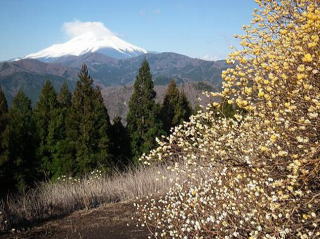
x=255, y=175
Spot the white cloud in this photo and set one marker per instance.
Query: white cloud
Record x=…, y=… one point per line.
x=78, y=28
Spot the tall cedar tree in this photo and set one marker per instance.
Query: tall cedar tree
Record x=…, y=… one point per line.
x=4, y=151
x=89, y=126
x=22, y=143
x=60, y=146
x=143, y=120
x=175, y=108
x=45, y=112
x=3, y=128
x=120, y=145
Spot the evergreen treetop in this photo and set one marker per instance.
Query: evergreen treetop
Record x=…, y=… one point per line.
x=64, y=96
x=22, y=143
x=45, y=112
x=57, y=140
x=89, y=125
x=143, y=120
x=175, y=108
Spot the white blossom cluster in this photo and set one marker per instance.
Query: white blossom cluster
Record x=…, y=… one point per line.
x=256, y=175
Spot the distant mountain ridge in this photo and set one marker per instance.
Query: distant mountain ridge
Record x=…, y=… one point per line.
x=164, y=66
x=30, y=74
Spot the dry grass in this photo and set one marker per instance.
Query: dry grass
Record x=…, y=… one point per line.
x=54, y=199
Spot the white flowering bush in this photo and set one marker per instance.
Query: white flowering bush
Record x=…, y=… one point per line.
x=256, y=175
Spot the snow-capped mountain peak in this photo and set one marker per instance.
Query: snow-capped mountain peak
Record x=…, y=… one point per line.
x=89, y=37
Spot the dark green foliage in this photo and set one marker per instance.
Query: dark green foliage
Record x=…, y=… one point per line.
x=3, y=127
x=175, y=108
x=45, y=115
x=60, y=146
x=4, y=150
x=120, y=145
x=89, y=125
x=64, y=96
x=143, y=120
x=183, y=110
x=22, y=143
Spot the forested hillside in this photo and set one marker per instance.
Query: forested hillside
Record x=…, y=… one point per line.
x=70, y=134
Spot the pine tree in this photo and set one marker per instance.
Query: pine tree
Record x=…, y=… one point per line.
x=22, y=143
x=89, y=125
x=143, y=116
x=183, y=110
x=59, y=144
x=175, y=108
x=3, y=126
x=120, y=145
x=64, y=96
x=4, y=152
x=45, y=112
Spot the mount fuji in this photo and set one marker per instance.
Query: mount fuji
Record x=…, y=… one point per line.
x=88, y=37
x=113, y=63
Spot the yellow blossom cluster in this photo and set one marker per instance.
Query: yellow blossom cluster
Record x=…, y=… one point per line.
x=255, y=175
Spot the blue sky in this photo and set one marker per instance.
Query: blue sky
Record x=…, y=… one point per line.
x=196, y=28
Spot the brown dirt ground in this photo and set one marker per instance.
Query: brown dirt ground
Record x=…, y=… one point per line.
x=108, y=221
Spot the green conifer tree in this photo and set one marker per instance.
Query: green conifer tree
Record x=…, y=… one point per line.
x=45, y=112
x=3, y=127
x=22, y=143
x=143, y=120
x=120, y=145
x=60, y=145
x=175, y=108
x=183, y=110
x=89, y=125
x=4, y=151
x=64, y=96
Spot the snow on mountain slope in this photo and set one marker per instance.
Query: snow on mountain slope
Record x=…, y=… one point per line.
x=89, y=37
